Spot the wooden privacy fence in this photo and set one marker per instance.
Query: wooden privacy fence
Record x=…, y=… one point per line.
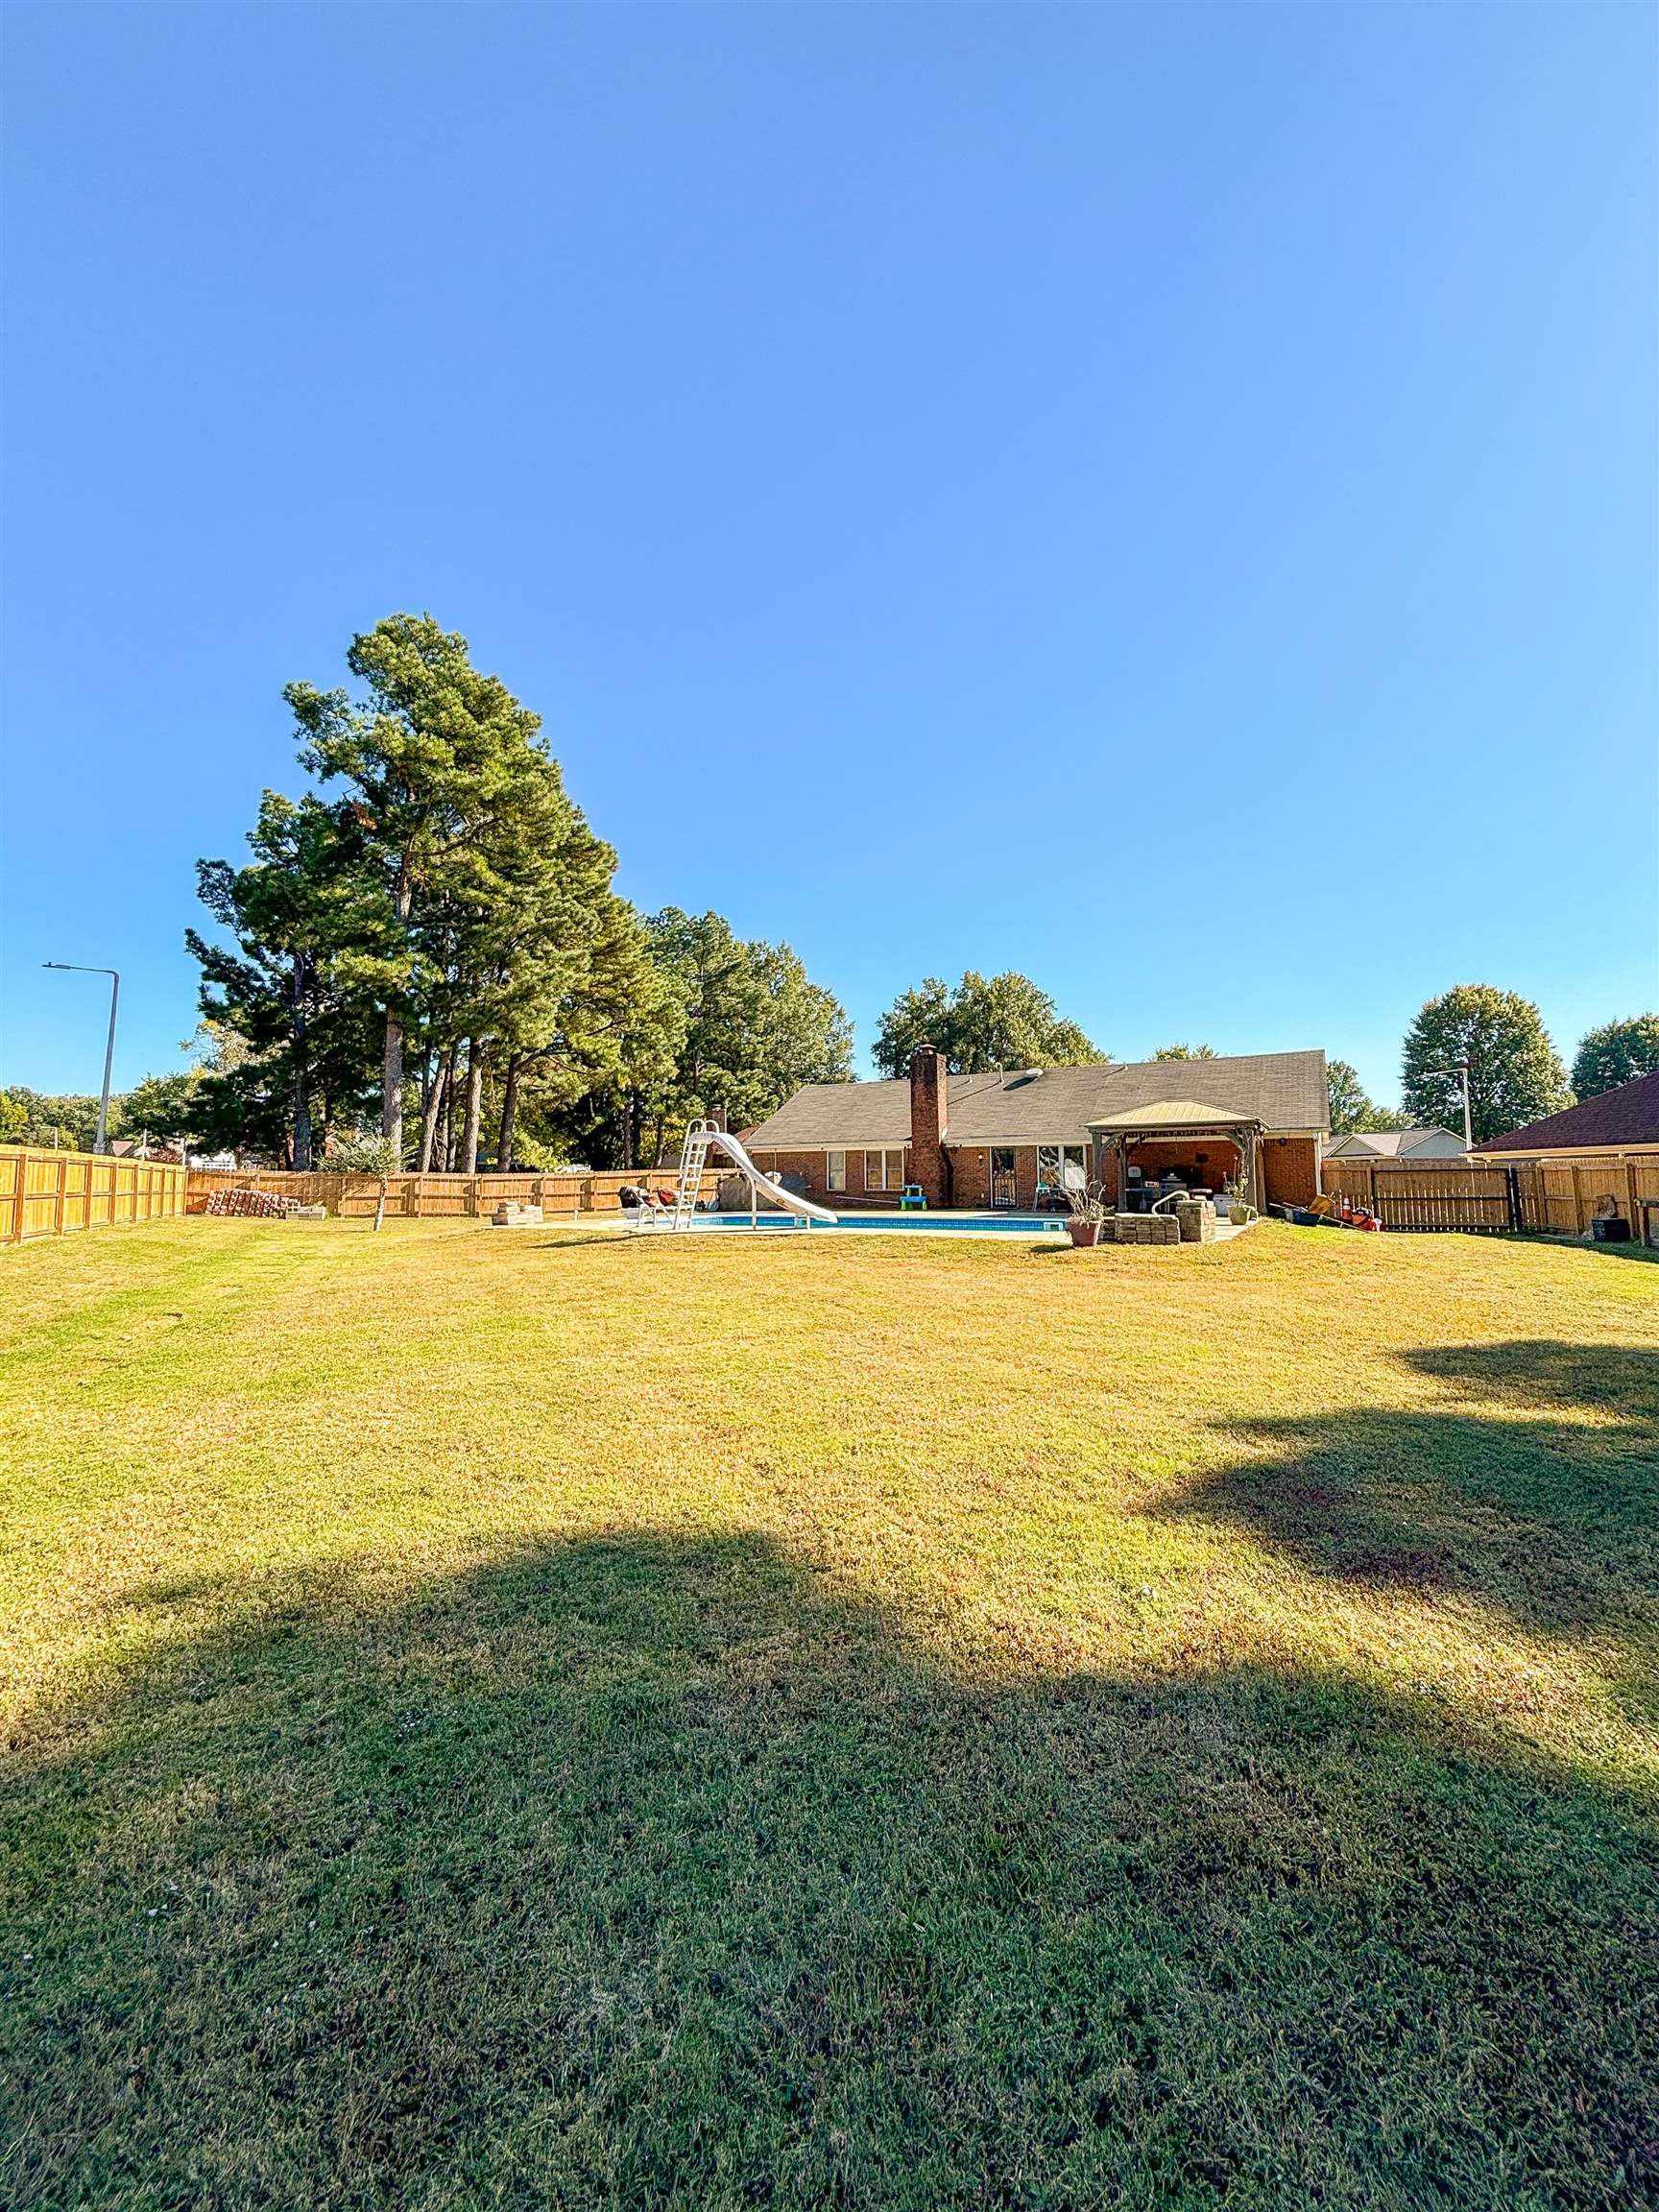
x=1449, y=1195
x=1571, y=1192
x=430, y=1197
x=49, y=1194
x=1558, y=1195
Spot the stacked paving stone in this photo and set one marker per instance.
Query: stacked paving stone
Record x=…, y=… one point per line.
x=1197, y=1218
x=249, y=1205
x=1140, y=1229
x=517, y=1213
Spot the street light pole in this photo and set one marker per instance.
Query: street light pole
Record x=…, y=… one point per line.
x=99, y=1143
x=1461, y=1071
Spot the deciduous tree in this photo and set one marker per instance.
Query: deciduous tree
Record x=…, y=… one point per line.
x=1616, y=1054
x=755, y=1027
x=369, y=1153
x=66, y=1122
x=1351, y=1108
x=163, y=1106
x=916, y=1018
x=986, y=1022
x=1514, y=1075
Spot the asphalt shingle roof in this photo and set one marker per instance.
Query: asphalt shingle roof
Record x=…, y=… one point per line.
x=1627, y=1116
x=1174, y=1114
x=1053, y=1105
x=1384, y=1143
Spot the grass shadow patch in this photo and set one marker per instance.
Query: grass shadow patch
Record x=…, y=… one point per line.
x=665, y=1872
x=1547, y=1510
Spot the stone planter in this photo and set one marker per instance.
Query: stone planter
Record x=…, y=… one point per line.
x=1083, y=1232
x=1196, y=1221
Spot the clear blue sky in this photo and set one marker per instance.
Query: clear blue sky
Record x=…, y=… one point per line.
x=915, y=458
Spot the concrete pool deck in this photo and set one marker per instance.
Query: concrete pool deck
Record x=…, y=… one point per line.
x=937, y=1222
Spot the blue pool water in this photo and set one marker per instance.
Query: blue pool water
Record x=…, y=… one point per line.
x=972, y=1224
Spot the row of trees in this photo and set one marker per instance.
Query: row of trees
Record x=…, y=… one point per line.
x=160, y=1108
x=430, y=937
x=1515, y=1074
x=724, y=1022
x=986, y=1021
x=428, y=942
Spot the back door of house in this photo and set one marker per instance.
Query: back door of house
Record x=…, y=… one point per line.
x=1004, y=1191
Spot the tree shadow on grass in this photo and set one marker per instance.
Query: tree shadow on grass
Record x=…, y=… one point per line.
x=595, y=1240
x=661, y=1872
x=1548, y=1513
x=1620, y=1379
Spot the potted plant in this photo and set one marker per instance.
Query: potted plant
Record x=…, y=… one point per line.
x=1086, y=1212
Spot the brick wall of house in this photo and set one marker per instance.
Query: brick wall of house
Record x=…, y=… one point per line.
x=971, y=1175
x=808, y=1165
x=1289, y=1165
x=813, y=1169
x=1291, y=1170
x=1208, y=1162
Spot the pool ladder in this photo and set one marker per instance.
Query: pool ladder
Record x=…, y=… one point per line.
x=693, y=1159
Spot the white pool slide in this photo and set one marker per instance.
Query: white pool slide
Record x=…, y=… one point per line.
x=701, y=1139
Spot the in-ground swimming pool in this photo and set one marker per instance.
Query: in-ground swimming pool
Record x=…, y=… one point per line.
x=917, y=1223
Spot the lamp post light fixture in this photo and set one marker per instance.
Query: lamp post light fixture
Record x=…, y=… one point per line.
x=99, y=1143
x=1460, y=1068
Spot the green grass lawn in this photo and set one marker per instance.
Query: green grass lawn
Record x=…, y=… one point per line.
x=534, y=1719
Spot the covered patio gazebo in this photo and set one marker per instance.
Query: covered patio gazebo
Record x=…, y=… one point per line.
x=1178, y=1122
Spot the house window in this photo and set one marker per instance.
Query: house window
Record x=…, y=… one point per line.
x=1062, y=1167
x=885, y=1171
x=835, y=1171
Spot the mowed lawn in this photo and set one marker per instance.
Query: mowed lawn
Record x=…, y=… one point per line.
x=535, y=1719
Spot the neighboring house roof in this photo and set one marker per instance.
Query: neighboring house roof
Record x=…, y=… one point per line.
x=157, y=1154
x=1627, y=1116
x=1394, y=1144
x=1055, y=1105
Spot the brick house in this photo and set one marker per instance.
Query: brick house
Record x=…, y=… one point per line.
x=991, y=1141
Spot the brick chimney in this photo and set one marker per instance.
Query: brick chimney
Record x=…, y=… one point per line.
x=717, y=1115
x=929, y=1111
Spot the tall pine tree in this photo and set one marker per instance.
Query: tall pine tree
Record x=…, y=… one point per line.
x=428, y=763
